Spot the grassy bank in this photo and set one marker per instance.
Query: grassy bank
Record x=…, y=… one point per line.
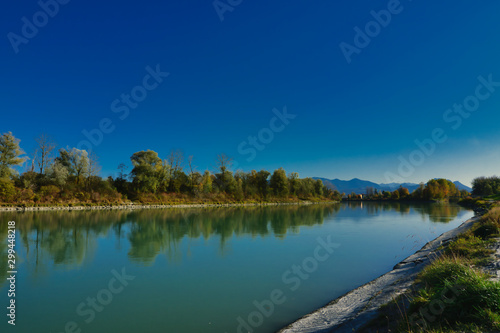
x=453, y=294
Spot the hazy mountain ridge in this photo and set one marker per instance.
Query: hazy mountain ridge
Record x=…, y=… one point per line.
x=359, y=186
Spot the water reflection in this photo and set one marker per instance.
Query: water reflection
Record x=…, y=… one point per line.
x=157, y=231
x=3, y=246
x=66, y=239
x=438, y=213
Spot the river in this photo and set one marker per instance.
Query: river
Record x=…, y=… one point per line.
x=240, y=269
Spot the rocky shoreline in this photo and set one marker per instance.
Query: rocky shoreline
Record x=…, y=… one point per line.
x=140, y=206
x=350, y=312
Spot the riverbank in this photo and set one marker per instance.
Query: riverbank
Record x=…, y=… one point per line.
x=352, y=311
x=143, y=206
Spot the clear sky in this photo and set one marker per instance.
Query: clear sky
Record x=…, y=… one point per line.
x=71, y=70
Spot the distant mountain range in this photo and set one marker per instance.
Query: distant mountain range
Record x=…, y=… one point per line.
x=359, y=186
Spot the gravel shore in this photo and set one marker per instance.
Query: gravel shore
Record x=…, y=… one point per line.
x=140, y=206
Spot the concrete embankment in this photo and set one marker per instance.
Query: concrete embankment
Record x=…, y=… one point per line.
x=140, y=206
x=353, y=310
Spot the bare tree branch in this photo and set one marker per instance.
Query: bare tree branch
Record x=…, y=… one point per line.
x=44, y=152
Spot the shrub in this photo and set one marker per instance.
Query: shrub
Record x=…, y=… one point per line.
x=49, y=191
x=7, y=190
x=25, y=195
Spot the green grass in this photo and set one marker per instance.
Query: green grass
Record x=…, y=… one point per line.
x=455, y=294
x=472, y=247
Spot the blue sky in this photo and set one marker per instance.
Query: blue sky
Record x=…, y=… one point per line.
x=357, y=119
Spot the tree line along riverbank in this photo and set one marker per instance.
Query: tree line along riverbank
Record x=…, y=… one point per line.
x=72, y=176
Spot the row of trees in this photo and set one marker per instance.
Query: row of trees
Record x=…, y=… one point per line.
x=72, y=175
x=375, y=194
x=151, y=174
x=434, y=189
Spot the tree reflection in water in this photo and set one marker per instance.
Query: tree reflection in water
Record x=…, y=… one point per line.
x=66, y=239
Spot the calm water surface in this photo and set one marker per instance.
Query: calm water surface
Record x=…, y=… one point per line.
x=204, y=270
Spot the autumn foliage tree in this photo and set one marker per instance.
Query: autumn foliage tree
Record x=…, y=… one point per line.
x=440, y=189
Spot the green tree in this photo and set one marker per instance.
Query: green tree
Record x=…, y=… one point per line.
x=207, y=182
x=486, y=185
x=238, y=192
x=7, y=190
x=28, y=180
x=294, y=183
x=488, y=190
x=57, y=174
x=307, y=187
x=250, y=184
x=193, y=175
x=318, y=187
x=419, y=192
x=10, y=155
x=175, y=175
x=180, y=182
x=279, y=183
x=76, y=161
x=262, y=183
x=225, y=179
x=148, y=171
x=121, y=183
x=226, y=182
